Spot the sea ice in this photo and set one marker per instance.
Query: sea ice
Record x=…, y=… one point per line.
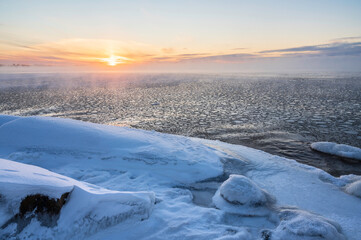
x=341, y=150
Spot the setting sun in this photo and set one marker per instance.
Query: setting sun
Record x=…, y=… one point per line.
x=115, y=60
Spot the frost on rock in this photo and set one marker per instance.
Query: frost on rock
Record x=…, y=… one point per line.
x=297, y=224
x=354, y=188
x=240, y=195
x=31, y=195
x=340, y=150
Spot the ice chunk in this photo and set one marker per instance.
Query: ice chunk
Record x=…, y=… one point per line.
x=298, y=224
x=340, y=150
x=354, y=188
x=238, y=194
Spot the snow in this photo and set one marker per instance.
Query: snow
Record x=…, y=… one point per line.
x=163, y=155
x=340, y=150
x=133, y=184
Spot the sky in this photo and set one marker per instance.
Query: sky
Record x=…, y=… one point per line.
x=259, y=35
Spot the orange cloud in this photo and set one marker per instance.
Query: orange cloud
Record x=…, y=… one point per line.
x=102, y=52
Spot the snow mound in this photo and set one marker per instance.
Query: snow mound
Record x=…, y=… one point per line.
x=238, y=194
x=354, y=188
x=340, y=150
x=298, y=224
x=85, y=209
x=179, y=159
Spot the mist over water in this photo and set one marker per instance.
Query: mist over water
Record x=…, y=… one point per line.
x=278, y=113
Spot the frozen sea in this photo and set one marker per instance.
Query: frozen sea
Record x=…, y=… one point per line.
x=278, y=113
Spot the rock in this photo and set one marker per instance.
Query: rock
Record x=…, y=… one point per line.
x=46, y=210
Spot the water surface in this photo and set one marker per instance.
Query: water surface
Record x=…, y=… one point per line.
x=278, y=113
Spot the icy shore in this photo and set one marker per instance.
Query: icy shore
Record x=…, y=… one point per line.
x=110, y=182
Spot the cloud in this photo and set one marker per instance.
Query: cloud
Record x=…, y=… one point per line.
x=345, y=39
x=15, y=44
x=237, y=49
x=74, y=51
x=91, y=51
x=205, y=57
x=239, y=57
x=167, y=50
x=333, y=49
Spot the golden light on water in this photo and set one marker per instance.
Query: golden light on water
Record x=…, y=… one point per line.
x=115, y=60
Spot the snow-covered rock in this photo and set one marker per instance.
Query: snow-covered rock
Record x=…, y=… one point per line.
x=301, y=225
x=239, y=194
x=85, y=209
x=340, y=150
x=354, y=188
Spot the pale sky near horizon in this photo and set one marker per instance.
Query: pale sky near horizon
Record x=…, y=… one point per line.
x=182, y=34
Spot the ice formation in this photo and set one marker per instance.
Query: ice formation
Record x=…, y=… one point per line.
x=340, y=150
x=108, y=182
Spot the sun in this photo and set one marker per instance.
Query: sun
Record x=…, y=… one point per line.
x=113, y=60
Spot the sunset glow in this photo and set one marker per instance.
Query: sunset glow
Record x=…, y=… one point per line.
x=115, y=60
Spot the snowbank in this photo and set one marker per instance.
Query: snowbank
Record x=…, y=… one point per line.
x=86, y=209
x=110, y=174
x=340, y=150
